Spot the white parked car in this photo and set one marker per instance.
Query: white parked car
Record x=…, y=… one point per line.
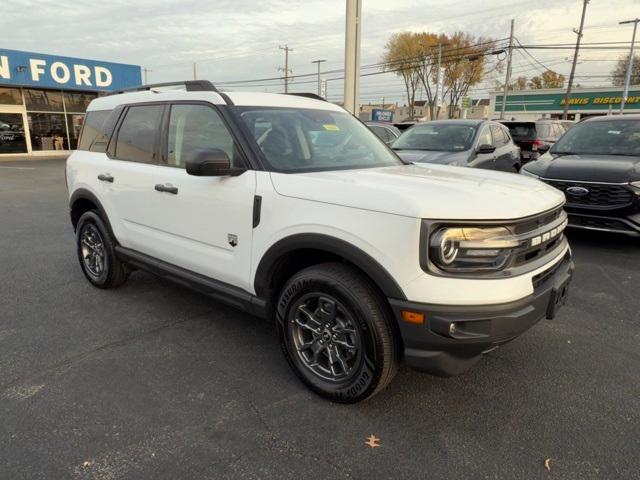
x=291, y=209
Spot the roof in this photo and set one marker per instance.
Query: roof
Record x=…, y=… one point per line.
x=456, y=121
x=238, y=98
x=633, y=116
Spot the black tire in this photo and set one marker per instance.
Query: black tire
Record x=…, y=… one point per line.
x=364, y=358
x=93, y=242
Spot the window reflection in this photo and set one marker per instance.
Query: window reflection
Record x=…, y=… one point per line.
x=43, y=100
x=10, y=96
x=77, y=101
x=12, y=139
x=47, y=131
x=74, y=122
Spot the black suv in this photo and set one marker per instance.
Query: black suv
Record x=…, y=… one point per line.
x=534, y=138
x=597, y=165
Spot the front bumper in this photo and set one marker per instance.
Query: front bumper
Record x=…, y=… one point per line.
x=606, y=223
x=437, y=347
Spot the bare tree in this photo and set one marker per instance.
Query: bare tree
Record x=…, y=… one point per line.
x=619, y=72
x=402, y=56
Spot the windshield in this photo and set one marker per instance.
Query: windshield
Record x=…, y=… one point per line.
x=295, y=139
x=603, y=137
x=439, y=137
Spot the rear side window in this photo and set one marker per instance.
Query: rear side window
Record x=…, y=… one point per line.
x=498, y=137
x=94, y=136
x=138, y=133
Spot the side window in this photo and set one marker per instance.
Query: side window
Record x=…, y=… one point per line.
x=506, y=135
x=388, y=136
x=94, y=136
x=137, y=135
x=380, y=132
x=197, y=127
x=498, y=137
x=485, y=137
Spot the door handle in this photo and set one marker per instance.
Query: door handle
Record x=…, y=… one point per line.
x=166, y=188
x=105, y=177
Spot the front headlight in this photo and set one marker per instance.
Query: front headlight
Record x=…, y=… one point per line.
x=472, y=249
x=526, y=173
x=636, y=187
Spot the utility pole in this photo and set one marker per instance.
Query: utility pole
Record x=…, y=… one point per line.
x=438, y=100
x=507, y=80
x=194, y=70
x=565, y=111
x=353, y=29
x=286, y=68
x=319, y=80
x=627, y=80
x=146, y=70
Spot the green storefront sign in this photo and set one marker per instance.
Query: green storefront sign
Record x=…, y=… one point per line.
x=554, y=102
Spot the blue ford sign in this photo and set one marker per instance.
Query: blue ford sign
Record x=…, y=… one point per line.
x=28, y=69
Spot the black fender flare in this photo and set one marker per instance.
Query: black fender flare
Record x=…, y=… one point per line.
x=365, y=262
x=84, y=194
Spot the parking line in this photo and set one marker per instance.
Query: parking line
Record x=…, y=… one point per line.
x=19, y=168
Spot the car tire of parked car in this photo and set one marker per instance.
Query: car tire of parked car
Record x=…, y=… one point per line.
x=96, y=252
x=337, y=333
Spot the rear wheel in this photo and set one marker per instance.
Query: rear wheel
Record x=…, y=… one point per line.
x=96, y=252
x=336, y=333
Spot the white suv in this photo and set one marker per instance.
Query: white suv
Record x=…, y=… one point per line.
x=289, y=208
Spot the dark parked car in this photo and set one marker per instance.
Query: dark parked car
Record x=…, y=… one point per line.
x=534, y=138
x=597, y=165
x=465, y=143
x=385, y=131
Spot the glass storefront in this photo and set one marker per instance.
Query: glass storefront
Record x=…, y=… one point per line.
x=10, y=96
x=48, y=131
x=53, y=117
x=12, y=138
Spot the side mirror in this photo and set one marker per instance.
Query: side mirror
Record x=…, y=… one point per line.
x=210, y=162
x=486, y=148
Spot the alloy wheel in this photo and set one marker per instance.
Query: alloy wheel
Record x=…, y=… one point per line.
x=326, y=337
x=93, y=251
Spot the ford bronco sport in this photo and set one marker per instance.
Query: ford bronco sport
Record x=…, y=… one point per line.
x=291, y=209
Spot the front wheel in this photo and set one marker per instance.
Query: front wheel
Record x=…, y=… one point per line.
x=336, y=333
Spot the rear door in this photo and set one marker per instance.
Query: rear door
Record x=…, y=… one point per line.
x=133, y=170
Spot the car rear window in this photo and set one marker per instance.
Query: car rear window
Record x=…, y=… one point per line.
x=522, y=130
x=94, y=134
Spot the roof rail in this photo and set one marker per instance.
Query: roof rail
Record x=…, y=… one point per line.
x=315, y=96
x=190, y=85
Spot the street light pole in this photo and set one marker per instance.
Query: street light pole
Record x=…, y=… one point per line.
x=319, y=81
x=627, y=81
x=565, y=111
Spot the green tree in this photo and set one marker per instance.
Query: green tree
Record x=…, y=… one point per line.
x=619, y=73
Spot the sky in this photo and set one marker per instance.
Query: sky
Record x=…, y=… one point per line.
x=232, y=40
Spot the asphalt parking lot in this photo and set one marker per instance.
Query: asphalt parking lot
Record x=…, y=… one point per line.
x=153, y=381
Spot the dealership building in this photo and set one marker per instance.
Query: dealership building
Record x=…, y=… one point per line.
x=549, y=103
x=43, y=99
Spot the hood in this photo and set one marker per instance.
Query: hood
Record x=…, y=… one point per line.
x=425, y=191
x=587, y=168
x=431, y=156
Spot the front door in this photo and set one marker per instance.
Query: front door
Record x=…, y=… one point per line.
x=206, y=223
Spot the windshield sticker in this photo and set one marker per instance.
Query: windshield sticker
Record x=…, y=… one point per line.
x=331, y=127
